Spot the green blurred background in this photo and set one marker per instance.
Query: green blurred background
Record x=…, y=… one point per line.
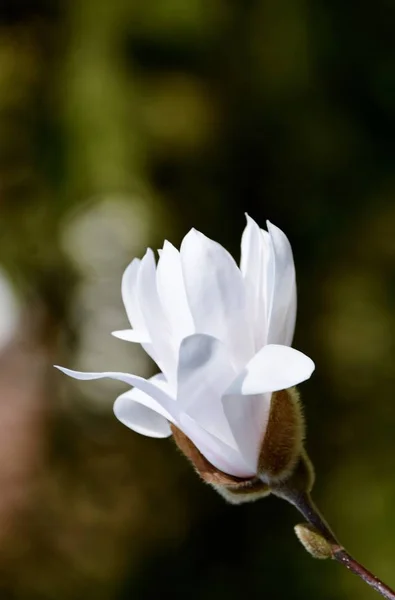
x=124, y=122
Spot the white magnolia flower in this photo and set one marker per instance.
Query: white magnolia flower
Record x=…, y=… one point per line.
x=221, y=337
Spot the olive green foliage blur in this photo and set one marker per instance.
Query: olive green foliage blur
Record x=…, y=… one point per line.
x=197, y=112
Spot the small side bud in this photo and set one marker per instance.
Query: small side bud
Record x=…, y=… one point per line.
x=283, y=440
x=234, y=489
x=313, y=541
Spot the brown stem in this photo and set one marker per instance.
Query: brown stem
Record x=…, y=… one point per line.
x=342, y=556
x=303, y=502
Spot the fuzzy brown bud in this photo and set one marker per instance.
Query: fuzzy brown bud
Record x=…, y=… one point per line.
x=313, y=541
x=283, y=441
x=234, y=489
x=281, y=457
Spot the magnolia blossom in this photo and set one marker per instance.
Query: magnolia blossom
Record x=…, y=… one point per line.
x=221, y=336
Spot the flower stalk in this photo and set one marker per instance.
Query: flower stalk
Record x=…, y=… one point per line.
x=305, y=505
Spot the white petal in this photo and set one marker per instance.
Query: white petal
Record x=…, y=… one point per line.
x=216, y=294
x=248, y=417
x=254, y=264
x=141, y=419
x=159, y=394
x=249, y=246
x=282, y=313
x=204, y=373
x=273, y=368
x=157, y=324
x=130, y=299
x=172, y=295
x=138, y=411
x=223, y=457
x=129, y=296
x=131, y=335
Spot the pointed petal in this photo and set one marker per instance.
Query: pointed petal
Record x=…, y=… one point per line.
x=216, y=294
x=164, y=403
x=270, y=272
x=157, y=324
x=223, y=457
x=204, y=373
x=139, y=412
x=129, y=296
x=282, y=313
x=172, y=295
x=248, y=417
x=273, y=368
x=251, y=244
x=132, y=306
x=131, y=335
x=254, y=265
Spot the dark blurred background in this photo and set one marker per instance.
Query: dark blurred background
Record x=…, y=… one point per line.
x=124, y=122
